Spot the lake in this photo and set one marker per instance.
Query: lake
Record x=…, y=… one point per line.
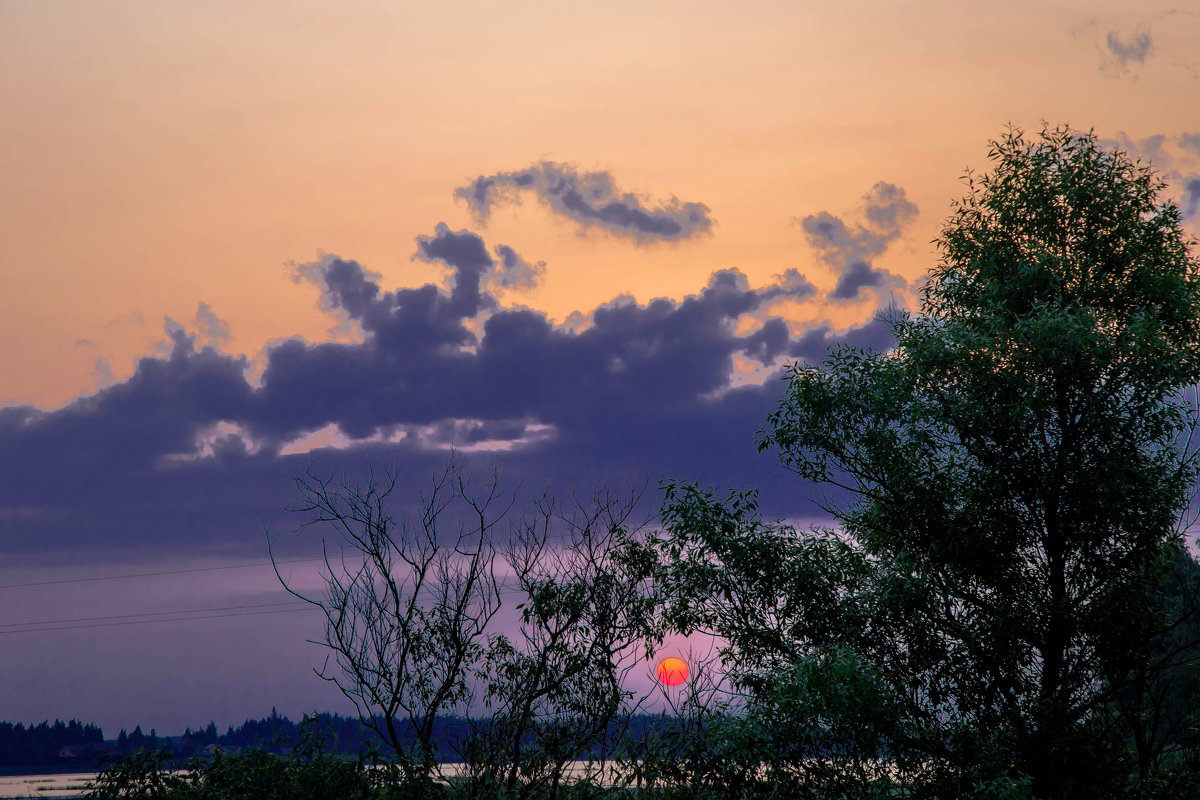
x=65, y=784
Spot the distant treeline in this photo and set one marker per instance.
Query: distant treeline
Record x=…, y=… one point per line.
x=74, y=745
x=275, y=733
x=46, y=744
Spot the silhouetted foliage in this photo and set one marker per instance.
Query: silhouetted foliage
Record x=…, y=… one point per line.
x=409, y=602
x=554, y=689
x=309, y=769
x=986, y=619
x=407, y=611
x=308, y=772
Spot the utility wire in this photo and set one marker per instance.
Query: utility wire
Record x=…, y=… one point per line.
x=161, y=572
x=503, y=587
x=165, y=572
x=144, y=614
x=148, y=621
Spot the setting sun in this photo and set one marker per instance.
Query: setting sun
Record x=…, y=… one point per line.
x=672, y=671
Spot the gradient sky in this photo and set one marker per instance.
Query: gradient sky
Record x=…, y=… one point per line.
x=579, y=238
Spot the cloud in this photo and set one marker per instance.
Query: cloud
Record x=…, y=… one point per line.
x=206, y=327
x=768, y=342
x=850, y=250
x=857, y=275
x=102, y=372
x=815, y=343
x=187, y=452
x=1188, y=183
x=468, y=258
x=416, y=321
x=1176, y=163
x=515, y=273
x=313, y=273
x=790, y=284
x=1134, y=50
x=1120, y=55
x=1151, y=148
x=591, y=199
x=127, y=427
x=1190, y=201
x=210, y=328
x=522, y=366
x=474, y=435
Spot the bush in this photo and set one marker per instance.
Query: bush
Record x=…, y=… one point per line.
x=309, y=772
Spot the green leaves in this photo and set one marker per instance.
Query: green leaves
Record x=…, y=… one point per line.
x=1006, y=483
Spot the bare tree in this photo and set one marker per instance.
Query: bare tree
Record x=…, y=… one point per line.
x=680, y=746
x=410, y=607
x=407, y=602
x=556, y=690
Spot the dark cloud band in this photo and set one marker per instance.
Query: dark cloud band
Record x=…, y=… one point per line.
x=169, y=456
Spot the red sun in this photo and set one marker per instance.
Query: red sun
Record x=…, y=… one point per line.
x=672, y=671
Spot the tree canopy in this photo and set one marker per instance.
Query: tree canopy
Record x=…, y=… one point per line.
x=1008, y=485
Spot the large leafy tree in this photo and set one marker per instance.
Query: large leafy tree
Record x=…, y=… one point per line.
x=1008, y=484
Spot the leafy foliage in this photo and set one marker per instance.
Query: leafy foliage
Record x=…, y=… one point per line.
x=309, y=772
x=1008, y=483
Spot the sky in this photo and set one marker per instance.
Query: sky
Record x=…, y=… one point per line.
x=578, y=241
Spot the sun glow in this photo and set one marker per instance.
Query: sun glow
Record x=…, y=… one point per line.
x=672, y=671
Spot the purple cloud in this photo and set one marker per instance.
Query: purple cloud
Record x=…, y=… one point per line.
x=850, y=250
x=1190, y=201
x=514, y=272
x=591, y=199
x=1135, y=49
x=186, y=453
x=1171, y=163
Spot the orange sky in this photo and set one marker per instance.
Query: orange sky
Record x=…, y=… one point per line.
x=156, y=155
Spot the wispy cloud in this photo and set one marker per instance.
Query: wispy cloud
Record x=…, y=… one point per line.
x=851, y=249
x=515, y=273
x=1133, y=50
x=591, y=199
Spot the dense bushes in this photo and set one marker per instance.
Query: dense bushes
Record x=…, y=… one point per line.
x=309, y=771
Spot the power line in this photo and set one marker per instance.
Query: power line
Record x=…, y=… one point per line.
x=148, y=574
x=149, y=621
x=161, y=572
x=27, y=626
x=173, y=616
x=503, y=587
x=144, y=614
